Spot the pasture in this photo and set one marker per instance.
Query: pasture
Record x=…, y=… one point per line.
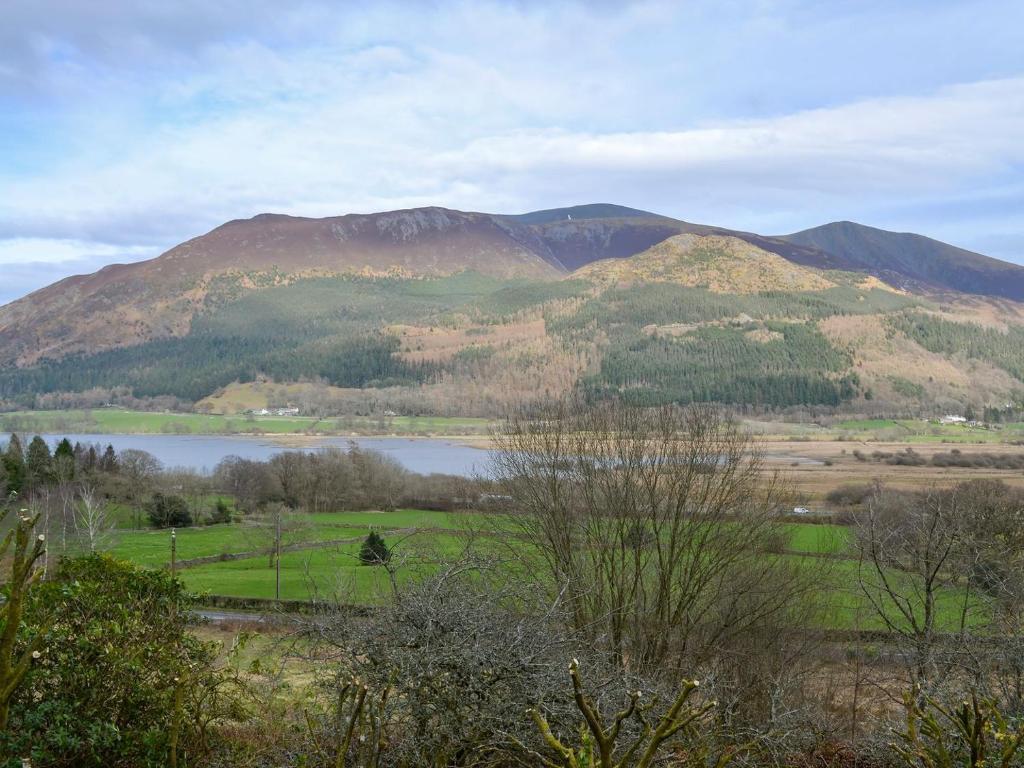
x=320, y=558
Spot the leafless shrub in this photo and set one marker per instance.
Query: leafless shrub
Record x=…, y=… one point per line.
x=464, y=657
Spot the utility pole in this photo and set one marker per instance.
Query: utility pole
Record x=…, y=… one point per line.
x=277, y=560
x=174, y=553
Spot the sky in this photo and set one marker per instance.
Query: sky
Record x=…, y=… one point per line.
x=127, y=127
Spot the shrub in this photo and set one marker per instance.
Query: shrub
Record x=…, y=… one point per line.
x=221, y=513
x=850, y=494
x=974, y=734
x=374, y=551
x=462, y=660
x=167, y=511
x=118, y=668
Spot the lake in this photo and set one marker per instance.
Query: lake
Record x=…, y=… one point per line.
x=203, y=452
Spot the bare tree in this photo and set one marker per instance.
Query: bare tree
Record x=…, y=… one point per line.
x=655, y=523
x=271, y=530
x=140, y=467
x=93, y=521
x=994, y=539
x=252, y=483
x=190, y=485
x=64, y=475
x=914, y=567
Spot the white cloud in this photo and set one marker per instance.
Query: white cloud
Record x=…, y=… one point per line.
x=21, y=250
x=893, y=145
x=140, y=127
x=407, y=144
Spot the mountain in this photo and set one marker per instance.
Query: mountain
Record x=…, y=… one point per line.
x=443, y=311
x=913, y=260
x=588, y=211
x=127, y=304
x=719, y=263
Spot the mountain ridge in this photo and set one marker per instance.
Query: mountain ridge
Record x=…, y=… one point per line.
x=357, y=300
x=914, y=259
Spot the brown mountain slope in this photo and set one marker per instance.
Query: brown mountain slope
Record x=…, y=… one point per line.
x=420, y=241
x=126, y=304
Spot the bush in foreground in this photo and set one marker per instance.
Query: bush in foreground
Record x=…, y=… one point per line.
x=119, y=678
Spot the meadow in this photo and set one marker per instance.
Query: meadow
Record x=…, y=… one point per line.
x=122, y=421
x=921, y=431
x=904, y=431
x=321, y=558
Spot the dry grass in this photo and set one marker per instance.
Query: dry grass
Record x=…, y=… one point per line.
x=420, y=344
x=880, y=355
x=988, y=311
x=239, y=398
x=814, y=480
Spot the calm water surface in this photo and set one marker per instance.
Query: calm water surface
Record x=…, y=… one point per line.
x=203, y=452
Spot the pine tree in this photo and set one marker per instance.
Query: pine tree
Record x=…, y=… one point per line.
x=91, y=459
x=64, y=450
x=14, y=464
x=64, y=464
x=109, y=461
x=38, y=464
x=374, y=551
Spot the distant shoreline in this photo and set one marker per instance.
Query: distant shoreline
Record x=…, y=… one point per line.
x=111, y=421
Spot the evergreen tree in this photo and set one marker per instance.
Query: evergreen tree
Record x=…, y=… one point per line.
x=14, y=465
x=221, y=512
x=38, y=464
x=374, y=551
x=109, y=461
x=90, y=459
x=64, y=450
x=65, y=467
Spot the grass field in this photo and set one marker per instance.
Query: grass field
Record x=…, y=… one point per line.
x=327, y=565
x=819, y=539
x=153, y=548
x=919, y=431
x=117, y=421
x=907, y=431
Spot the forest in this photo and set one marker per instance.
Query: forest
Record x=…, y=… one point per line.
x=759, y=349
x=970, y=340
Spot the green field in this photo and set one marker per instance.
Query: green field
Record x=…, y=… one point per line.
x=819, y=539
x=327, y=565
x=153, y=548
x=331, y=572
x=919, y=431
x=118, y=421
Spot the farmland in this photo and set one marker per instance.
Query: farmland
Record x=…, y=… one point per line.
x=122, y=421
x=320, y=558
